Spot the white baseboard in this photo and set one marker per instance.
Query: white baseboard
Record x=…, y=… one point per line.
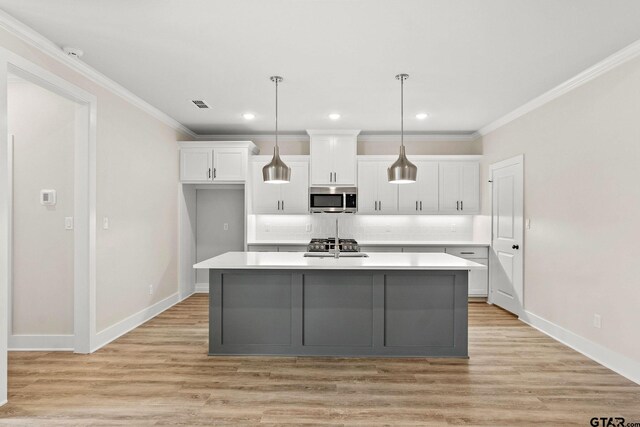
x=617, y=362
x=40, y=343
x=113, y=332
x=202, y=288
x=4, y=402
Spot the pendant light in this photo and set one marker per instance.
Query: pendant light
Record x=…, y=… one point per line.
x=276, y=172
x=402, y=171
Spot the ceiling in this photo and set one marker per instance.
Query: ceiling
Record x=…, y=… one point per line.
x=470, y=61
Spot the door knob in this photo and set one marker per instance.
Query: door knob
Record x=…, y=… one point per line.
x=515, y=247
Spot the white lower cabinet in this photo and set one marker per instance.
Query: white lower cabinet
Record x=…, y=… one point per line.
x=478, y=279
x=291, y=198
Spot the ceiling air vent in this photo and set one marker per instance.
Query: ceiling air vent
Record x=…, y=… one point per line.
x=200, y=103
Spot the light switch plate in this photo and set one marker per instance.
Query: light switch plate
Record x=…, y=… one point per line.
x=105, y=223
x=225, y=226
x=527, y=224
x=68, y=223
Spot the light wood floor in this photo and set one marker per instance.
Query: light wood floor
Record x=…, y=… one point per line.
x=160, y=374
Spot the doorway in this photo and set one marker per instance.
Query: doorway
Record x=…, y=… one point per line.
x=506, y=278
x=42, y=126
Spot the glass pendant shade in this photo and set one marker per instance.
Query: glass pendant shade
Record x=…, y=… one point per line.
x=402, y=171
x=276, y=171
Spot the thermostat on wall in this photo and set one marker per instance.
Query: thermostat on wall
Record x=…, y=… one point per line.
x=48, y=197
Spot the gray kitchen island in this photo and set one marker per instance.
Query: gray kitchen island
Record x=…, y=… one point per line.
x=387, y=304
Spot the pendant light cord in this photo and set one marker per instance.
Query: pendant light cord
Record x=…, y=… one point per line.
x=276, y=112
x=402, y=111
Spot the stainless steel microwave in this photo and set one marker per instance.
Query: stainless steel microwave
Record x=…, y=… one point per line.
x=333, y=199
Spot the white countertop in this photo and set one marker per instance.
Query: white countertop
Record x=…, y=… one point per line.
x=377, y=243
x=375, y=261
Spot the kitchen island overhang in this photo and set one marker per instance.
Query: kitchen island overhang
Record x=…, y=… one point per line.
x=274, y=303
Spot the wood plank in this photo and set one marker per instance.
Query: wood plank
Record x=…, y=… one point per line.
x=160, y=374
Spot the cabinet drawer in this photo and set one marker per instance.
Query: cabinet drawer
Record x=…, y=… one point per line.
x=292, y=248
x=380, y=249
x=469, y=252
x=263, y=248
x=415, y=249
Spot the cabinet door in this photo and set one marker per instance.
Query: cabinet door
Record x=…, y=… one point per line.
x=321, y=160
x=266, y=197
x=229, y=164
x=367, y=187
x=470, y=187
x=408, y=197
x=387, y=193
x=195, y=164
x=427, y=187
x=344, y=152
x=479, y=280
x=449, y=197
x=295, y=194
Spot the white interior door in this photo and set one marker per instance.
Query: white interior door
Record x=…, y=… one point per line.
x=506, y=273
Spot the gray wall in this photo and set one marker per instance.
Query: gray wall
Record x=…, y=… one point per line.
x=216, y=207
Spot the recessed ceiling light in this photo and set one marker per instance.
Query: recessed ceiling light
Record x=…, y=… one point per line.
x=334, y=116
x=421, y=116
x=249, y=116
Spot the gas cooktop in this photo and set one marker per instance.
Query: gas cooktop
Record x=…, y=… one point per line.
x=325, y=245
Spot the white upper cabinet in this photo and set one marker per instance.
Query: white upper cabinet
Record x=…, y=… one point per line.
x=195, y=164
x=459, y=187
x=213, y=161
x=420, y=197
x=229, y=164
x=291, y=198
x=375, y=194
x=333, y=158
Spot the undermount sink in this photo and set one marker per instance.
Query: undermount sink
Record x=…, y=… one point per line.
x=330, y=255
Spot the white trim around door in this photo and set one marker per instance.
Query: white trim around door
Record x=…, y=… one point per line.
x=84, y=203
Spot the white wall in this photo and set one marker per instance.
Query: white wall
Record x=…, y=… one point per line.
x=382, y=146
x=43, y=125
x=214, y=208
x=137, y=188
x=582, y=194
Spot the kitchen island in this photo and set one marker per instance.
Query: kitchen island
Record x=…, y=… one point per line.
x=386, y=304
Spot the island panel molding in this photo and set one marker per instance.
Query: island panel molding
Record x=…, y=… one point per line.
x=357, y=312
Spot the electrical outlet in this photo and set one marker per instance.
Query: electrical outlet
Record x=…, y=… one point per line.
x=308, y=228
x=225, y=226
x=68, y=223
x=150, y=289
x=105, y=223
x=453, y=228
x=597, y=321
x=267, y=227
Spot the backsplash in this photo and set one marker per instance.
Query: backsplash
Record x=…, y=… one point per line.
x=360, y=227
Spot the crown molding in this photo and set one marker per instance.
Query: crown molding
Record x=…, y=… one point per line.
x=620, y=57
x=37, y=40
